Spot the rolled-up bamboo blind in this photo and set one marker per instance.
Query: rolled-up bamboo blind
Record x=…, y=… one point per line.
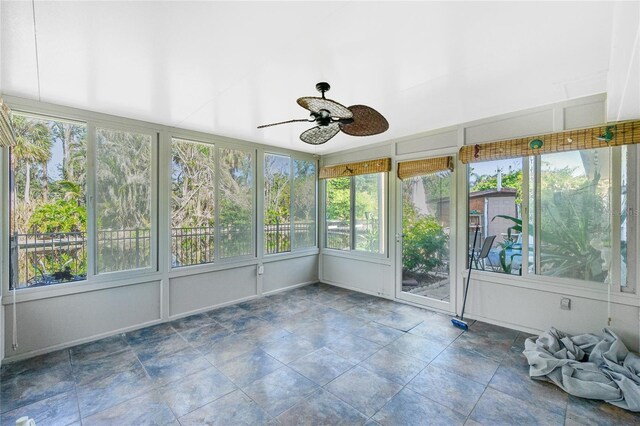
x=7, y=135
x=622, y=133
x=353, y=169
x=407, y=169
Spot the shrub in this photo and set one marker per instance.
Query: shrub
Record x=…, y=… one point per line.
x=425, y=244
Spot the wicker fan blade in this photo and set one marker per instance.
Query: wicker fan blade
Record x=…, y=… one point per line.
x=366, y=122
x=319, y=135
x=316, y=104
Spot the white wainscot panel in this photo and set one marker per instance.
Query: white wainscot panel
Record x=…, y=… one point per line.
x=588, y=115
x=47, y=324
x=537, y=310
x=198, y=292
x=361, y=154
x=428, y=143
x=285, y=273
x=513, y=127
x=363, y=275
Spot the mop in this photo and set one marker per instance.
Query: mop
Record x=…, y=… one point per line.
x=460, y=323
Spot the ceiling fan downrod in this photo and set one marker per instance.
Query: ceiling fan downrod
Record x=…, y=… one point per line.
x=322, y=87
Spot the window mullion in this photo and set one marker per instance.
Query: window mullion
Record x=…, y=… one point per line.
x=537, y=211
x=352, y=212
x=615, y=200
x=91, y=203
x=291, y=203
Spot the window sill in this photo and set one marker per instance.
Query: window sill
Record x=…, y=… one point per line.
x=276, y=257
x=240, y=262
x=357, y=255
x=562, y=286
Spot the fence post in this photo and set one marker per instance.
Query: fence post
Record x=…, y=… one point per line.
x=137, y=247
x=277, y=235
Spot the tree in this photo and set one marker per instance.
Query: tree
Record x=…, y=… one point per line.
x=33, y=146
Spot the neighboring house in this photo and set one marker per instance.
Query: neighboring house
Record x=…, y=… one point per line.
x=485, y=205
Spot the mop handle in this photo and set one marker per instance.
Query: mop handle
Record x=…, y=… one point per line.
x=466, y=290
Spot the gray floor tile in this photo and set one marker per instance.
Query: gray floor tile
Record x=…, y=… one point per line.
x=423, y=348
x=206, y=335
x=34, y=385
x=437, y=327
x=148, y=334
x=321, y=408
x=590, y=412
x=58, y=359
x=61, y=409
x=172, y=367
x=196, y=390
x=99, y=348
x=244, y=323
x=377, y=333
x=100, y=368
x=363, y=390
x=410, y=408
x=466, y=363
x=321, y=366
x=160, y=347
x=393, y=365
x=449, y=389
x=252, y=304
x=289, y=348
x=367, y=312
x=319, y=333
x=249, y=367
x=353, y=348
x=401, y=321
x=105, y=393
x=235, y=408
x=229, y=313
x=147, y=409
x=486, y=346
x=280, y=390
x=264, y=333
x=228, y=348
x=192, y=321
x=495, y=407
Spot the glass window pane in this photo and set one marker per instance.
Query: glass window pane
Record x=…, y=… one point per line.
x=624, y=216
x=575, y=225
x=304, y=203
x=48, y=214
x=426, y=227
x=236, y=203
x=495, y=200
x=123, y=200
x=277, y=203
x=192, y=203
x=338, y=213
x=368, y=213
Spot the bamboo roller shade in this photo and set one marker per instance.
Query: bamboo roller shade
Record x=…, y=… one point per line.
x=7, y=135
x=408, y=169
x=353, y=169
x=623, y=133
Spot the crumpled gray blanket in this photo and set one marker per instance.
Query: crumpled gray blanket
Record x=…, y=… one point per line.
x=587, y=365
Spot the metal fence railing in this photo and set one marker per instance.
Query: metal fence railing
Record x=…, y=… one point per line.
x=39, y=259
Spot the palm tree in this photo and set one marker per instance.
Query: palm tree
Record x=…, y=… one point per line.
x=33, y=146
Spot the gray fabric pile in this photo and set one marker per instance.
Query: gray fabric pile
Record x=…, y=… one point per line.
x=587, y=365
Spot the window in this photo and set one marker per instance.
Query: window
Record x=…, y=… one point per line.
x=124, y=182
x=48, y=214
x=577, y=215
x=289, y=203
x=355, y=213
x=193, y=202
x=236, y=203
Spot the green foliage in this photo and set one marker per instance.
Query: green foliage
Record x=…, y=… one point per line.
x=59, y=216
x=425, y=243
x=512, y=179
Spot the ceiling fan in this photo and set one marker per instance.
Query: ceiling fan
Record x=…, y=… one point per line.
x=331, y=117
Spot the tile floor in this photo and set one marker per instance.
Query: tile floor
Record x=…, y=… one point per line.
x=314, y=355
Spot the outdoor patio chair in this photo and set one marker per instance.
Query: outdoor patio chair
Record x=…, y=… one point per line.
x=481, y=257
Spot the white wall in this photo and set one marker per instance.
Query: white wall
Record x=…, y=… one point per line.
x=527, y=305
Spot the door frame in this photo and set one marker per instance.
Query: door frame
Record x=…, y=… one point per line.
x=448, y=307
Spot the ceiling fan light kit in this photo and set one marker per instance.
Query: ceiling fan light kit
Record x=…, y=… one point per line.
x=331, y=117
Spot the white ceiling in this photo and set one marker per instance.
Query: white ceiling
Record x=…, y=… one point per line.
x=226, y=67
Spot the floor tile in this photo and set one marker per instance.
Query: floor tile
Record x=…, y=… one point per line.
x=367, y=312
x=172, y=367
x=57, y=359
x=280, y=390
x=401, y=321
x=449, y=389
x=418, y=347
x=229, y=313
x=437, y=326
x=100, y=368
x=228, y=348
x=363, y=390
x=495, y=407
x=32, y=386
x=289, y=348
x=192, y=321
x=353, y=348
x=249, y=367
x=321, y=366
x=105, y=393
x=590, y=412
x=517, y=383
x=319, y=334
x=252, y=304
x=263, y=334
x=244, y=323
x=196, y=390
x=343, y=304
x=99, y=348
x=148, y=334
x=61, y=409
x=378, y=333
x=235, y=408
x=486, y=346
x=393, y=365
x=147, y=409
x=160, y=347
x=467, y=363
x=410, y=408
x=206, y=335
x=321, y=408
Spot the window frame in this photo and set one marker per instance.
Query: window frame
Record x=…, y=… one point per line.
x=383, y=206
